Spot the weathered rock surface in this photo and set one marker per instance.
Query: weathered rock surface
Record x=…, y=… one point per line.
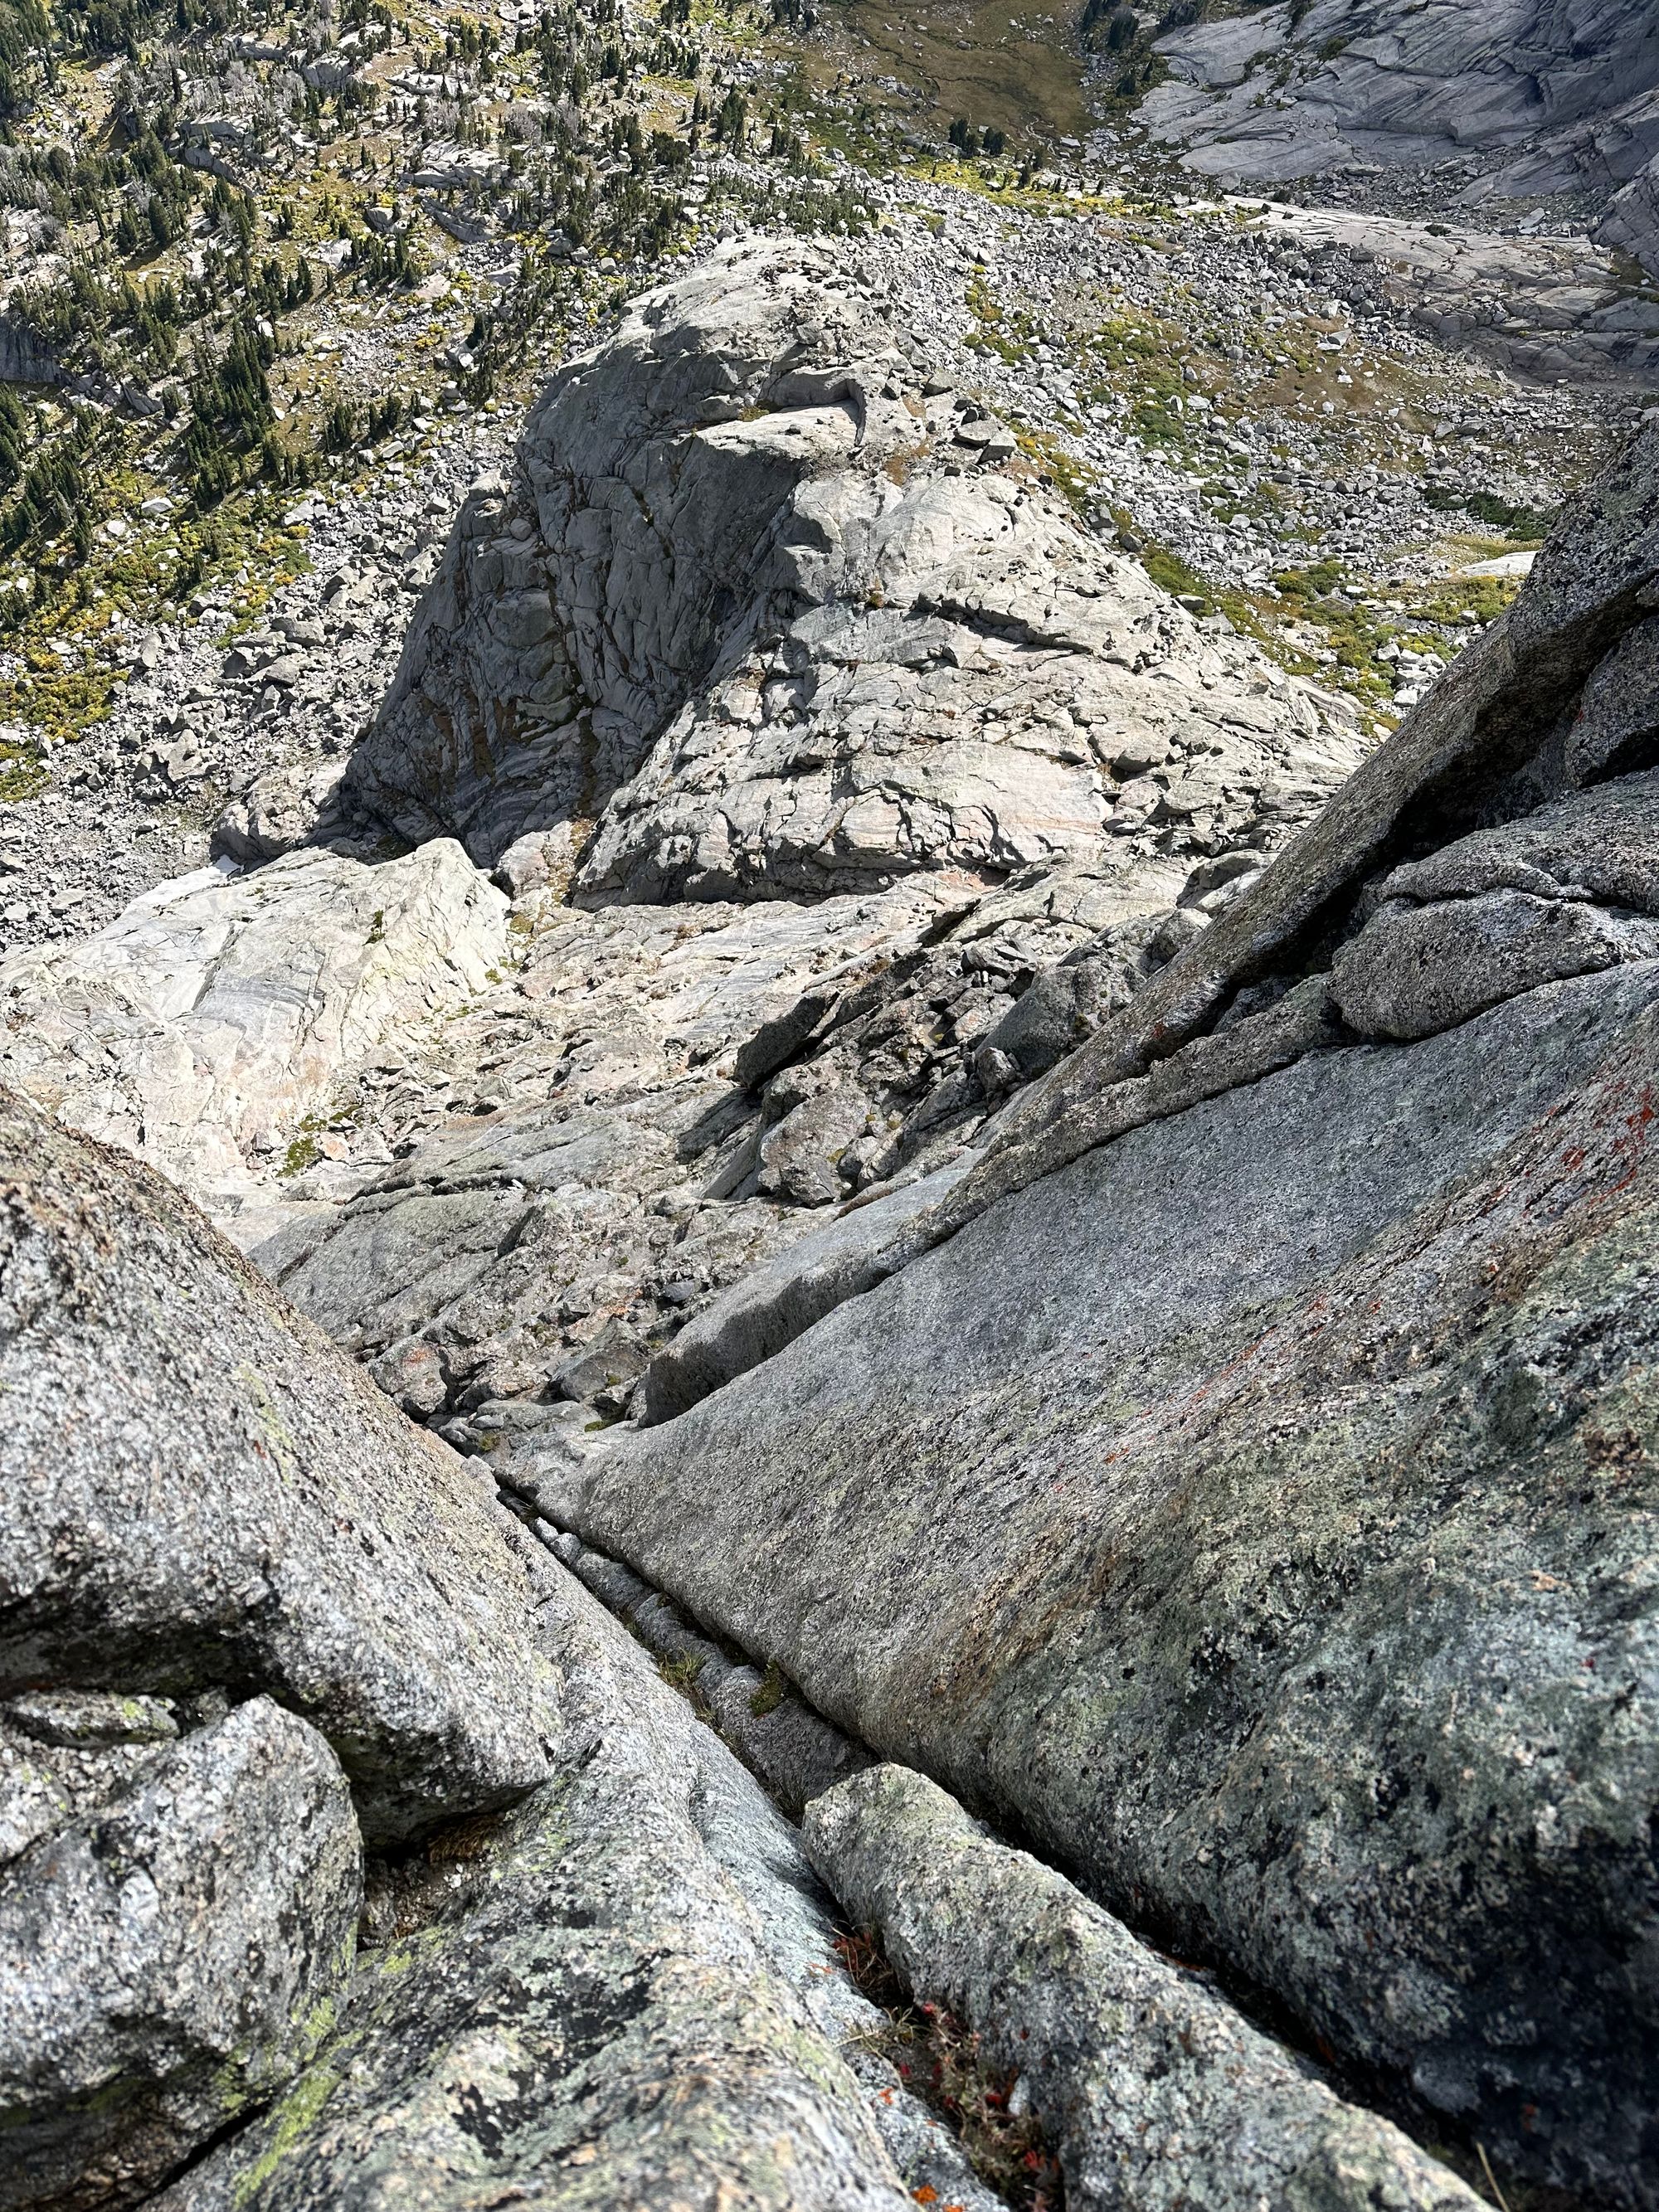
x=1155, y=2091
x=636, y=2006
x=1413, y=970
x=1541, y=304
x=1208, y=1551
x=622, y=1991
x=201, y=1495
x=1251, y=1496
x=173, y=1959
x=754, y=616
x=1226, y=1458
x=643, y=1104
x=1542, y=99
x=1522, y=719
x=202, y=1028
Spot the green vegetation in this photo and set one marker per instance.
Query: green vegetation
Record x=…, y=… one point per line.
x=1530, y=524
x=769, y=1696
x=231, y=411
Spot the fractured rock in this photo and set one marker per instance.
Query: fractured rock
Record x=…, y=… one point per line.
x=201, y=1028
x=201, y=1493
x=1254, y=1443
x=1557, y=103
x=734, y=615
x=1154, y=2090
x=1262, y=1436
x=173, y=1958
x=1412, y=971
x=637, y=2007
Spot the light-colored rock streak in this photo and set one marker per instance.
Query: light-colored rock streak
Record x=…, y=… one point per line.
x=203, y=1027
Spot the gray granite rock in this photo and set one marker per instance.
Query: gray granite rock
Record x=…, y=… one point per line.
x=635, y=2005
x=1599, y=844
x=742, y=622
x=1257, y=1511
x=770, y=1306
x=1618, y=722
x=173, y=1958
x=1415, y=970
x=1488, y=746
x=1153, y=2088
x=1535, y=101
x=201, y=1492
x=209, y=1029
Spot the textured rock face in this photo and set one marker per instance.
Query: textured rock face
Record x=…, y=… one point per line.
x=1633, y=219
x=1549, y=700
x=183, y=1457
x=624, y=1991
x=1559, y=99
x=1209, y=1553
x=498, y=1163
x=1242, y=1476
x=675, y=1094
x=1155, y=2090
x=201, y=1028
x=1153, y=1327
x=634, y=2006
x=756, y=616
x=173, y=1958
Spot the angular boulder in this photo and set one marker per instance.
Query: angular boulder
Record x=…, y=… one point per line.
x=172, y=1959
x=211, y=1028
x=202, y=1493
x=629, y=1998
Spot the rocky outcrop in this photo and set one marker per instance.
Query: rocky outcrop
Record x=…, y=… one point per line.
x=1551, y=700
x=207, y=1025
x=1633, y=219
x=1139, y=1314
x=202, y=1499
x=612, y=1981
x=757, y=615
x=1152, y=2086
x=1542, y=305
x=173, y=1958
x=1002, y=752
x=1539, y=99
x=1240, y=1478
x=635, y=2005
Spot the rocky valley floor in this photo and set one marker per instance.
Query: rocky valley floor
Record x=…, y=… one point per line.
x=831, y=941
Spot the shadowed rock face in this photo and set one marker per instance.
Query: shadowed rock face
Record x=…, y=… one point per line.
x=877, y=783
x=173, y=1958
x=1551, y=98
x=1241, y=1479
x=1243, y=1510
x=200, y=1495
x=756, y=616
